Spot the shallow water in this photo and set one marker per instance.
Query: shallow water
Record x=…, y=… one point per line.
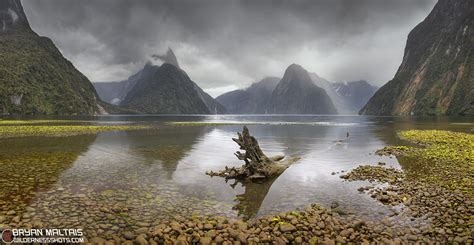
x=125, y=180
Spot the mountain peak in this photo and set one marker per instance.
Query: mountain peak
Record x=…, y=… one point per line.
x=298, y=75
x=167, y=89
x=169, y=58
x=12, y=17
x=295, y=67
x=297, y=94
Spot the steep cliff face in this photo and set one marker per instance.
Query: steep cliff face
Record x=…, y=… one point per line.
x=297, y=94
x=34, y=76
x=252, y=100
x=436, y=74
x=166, y=89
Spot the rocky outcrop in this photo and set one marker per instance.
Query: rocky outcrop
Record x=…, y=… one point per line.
x=435, y=77
x=297, y=94
x=35, y=78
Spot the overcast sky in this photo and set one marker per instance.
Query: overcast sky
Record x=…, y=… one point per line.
x=224, y=45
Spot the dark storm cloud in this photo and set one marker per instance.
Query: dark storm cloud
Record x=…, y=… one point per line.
x=226, y=44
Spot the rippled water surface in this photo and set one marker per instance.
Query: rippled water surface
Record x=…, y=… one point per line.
x=119, y=180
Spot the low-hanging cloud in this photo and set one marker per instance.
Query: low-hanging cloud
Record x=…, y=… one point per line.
x=169, y=57
x=231, y=43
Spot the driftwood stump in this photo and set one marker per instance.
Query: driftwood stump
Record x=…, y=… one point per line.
x=257, y=165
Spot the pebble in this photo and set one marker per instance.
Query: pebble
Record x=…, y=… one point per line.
x=129, y=235
x=141, y=240
x=142, y=230
x=287, y=227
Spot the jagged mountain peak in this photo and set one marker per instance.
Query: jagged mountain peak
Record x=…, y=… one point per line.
x=166, y=89
x=169, y=58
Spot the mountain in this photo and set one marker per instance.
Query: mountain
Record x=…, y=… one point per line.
x=347, y=97
x=436, y=74
x=297, y=94
x=115, y=92
x=353, y=95
x=252, y=100
x=167, y=89
x=35, y=78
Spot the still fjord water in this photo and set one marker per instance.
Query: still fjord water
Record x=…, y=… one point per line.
x=123, y=180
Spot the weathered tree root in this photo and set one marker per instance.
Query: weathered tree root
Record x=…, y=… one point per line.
x=257, y=165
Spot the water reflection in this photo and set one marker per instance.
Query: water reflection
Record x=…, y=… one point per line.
x=323, y=151
x=124, y=180
x=248, y=203
x=165, y=146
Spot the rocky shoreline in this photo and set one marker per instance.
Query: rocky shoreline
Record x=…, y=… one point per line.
x=448, y=213
x=427, y=209
x=317, y=225
x=313, y=225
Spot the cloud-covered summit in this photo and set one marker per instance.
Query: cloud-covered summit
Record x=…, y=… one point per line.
x=169, y=58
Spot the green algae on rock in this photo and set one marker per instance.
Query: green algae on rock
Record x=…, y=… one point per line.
x=392, y=150
x=42, y=121
x=374, y=173
x=446, y=157
x=62, y=130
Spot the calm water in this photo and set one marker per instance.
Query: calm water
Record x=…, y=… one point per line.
x=119, y=180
